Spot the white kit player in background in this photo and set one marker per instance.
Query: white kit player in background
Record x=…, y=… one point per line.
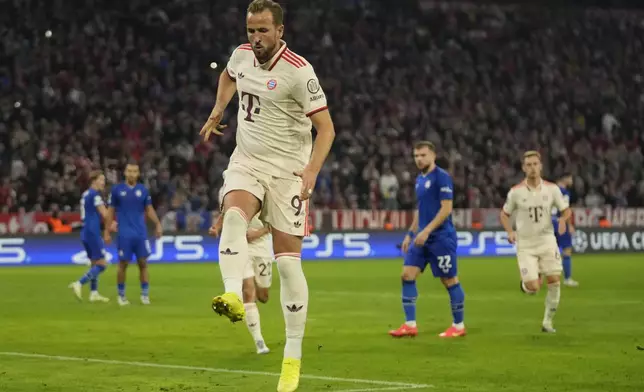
x=258, y=274
x=273, y=168
x=537, y=249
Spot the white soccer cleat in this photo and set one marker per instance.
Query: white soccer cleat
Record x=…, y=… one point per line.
x=548, y=328
x=123, y=301
x=571, y=283
x=145, y=300
x=261, y=347
x=77, y=288
x=94, y=296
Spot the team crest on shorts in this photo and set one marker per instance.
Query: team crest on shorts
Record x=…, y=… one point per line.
x=271, y=84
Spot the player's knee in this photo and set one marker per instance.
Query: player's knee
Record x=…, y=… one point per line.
x=449, y=282
x=552, y=279
x=100, y=262
x=531, y=287
x=567, y=252
x=286, y=243
x=409, y=273
x=143, y=263
x=242, y=201
x=123, y=265
x=235, y=221
x=291, y=275
x=262, y=294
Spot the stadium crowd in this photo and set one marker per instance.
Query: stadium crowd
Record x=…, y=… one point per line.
x=92, y=84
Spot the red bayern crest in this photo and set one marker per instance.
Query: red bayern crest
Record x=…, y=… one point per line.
x=271, y=84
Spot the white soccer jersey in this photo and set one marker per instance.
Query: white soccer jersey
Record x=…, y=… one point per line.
x=533, y=208
x=276, y=100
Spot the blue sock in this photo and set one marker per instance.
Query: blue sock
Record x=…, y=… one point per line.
x=145, y=289
x=92, y=273
x=457, y=299
x=409, y=295
x=121, y=289
x=567, y=267
x=93, y=284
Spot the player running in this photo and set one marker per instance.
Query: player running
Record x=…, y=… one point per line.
x=258, y=275
x=132, y=202
x=564, y=241
x=537, y=250
x=275, y=166
x=433, y=244
x=92, y=209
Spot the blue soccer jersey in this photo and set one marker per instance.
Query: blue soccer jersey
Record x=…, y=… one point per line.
x=91, y=217
x=563, y=240
x=440, y=249
x=130, y=203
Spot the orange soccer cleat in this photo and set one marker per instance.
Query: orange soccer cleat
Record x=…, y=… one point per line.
x=404, y=330
x=453, y=332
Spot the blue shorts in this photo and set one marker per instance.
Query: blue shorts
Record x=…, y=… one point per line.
x=133, y=246
x=564, y=240
x=439, y=253
x=95, y=248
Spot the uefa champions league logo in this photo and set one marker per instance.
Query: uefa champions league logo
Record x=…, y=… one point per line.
x=580, y=241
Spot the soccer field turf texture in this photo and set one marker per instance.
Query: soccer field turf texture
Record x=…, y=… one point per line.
x=353, y=304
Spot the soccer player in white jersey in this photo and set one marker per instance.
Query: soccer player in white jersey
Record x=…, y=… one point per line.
x=258, y=274
x=537, y=251
x=273, y=168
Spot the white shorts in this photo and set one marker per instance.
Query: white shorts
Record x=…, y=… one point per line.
x=281, y=204
x=538, y=259
x=261, y=268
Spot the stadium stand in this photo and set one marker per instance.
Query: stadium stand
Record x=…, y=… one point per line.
x=90, y=84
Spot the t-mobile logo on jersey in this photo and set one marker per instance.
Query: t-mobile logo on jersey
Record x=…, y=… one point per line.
x=248, y=101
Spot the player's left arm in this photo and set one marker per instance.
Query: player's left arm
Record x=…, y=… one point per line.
x=112, y=200
x=255, y=234
x=310, y=96
x=446, y=191
x=152, y=215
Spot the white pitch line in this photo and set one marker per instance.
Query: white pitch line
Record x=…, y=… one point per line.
x=396, y=385
x=384, y=389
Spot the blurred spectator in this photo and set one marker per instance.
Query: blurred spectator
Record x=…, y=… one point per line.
x=112, y=81
x=389, y=189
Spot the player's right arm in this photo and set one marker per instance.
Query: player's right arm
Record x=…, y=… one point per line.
x=412, y=231
x=506, y=213
x=225, y=92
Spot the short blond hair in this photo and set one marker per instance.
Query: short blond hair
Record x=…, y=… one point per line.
x=530, y=154
x=425, y=144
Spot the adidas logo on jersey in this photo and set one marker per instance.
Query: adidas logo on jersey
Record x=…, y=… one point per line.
x=228, y=252
x=294, y=308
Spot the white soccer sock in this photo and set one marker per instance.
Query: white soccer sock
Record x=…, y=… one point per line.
x=552, y=302
x=233, y=250
x=252, y=321
x=294, y=295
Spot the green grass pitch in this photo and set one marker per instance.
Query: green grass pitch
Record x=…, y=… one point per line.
x=353, y=304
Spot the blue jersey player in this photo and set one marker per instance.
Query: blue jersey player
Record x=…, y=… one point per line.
x=92, y=209
x=565, y=240
x=434, y=243
x=131, y=201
